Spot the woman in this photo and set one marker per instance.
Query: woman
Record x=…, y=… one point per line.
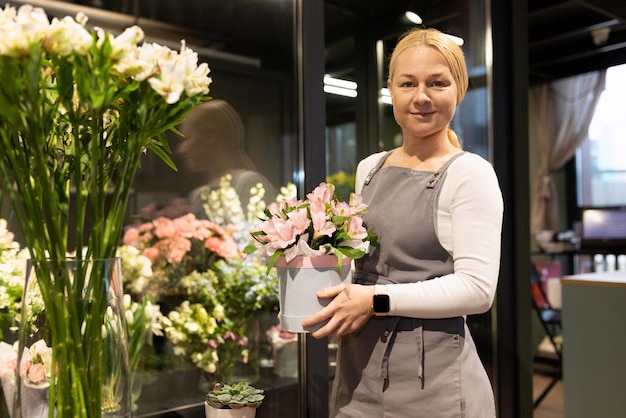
x=214, y=144
x=405, y=349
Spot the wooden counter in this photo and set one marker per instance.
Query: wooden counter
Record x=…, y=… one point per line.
x=594, y=345
x=606, y=279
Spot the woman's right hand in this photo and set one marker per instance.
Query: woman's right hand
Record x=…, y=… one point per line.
x=350, y=309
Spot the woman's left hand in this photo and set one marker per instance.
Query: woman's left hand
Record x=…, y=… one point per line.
x=347, y=312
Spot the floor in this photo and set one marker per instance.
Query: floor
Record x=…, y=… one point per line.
x=552, y=404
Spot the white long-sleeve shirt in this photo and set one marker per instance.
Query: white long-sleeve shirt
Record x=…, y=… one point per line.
x=469, y=226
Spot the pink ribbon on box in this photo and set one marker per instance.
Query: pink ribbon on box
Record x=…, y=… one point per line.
x=323, y=261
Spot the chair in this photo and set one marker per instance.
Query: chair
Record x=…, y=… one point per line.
x=550, y=320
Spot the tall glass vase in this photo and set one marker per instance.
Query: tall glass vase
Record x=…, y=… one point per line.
x=73, y=353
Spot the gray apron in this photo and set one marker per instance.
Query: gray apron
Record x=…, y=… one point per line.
x=399, y=366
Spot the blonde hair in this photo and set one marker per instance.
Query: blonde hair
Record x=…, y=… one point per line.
x=451, y=52
x=217, y=114
x=220, y=116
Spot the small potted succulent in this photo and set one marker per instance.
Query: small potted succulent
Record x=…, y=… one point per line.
x=238, y=400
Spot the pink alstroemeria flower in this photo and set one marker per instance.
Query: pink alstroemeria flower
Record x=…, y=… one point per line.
x=356, y=204
x=295, y=228
x=280, y=233
x=320, y=196
x=278, y=209
x=341, y=209
x=321, y=226
x=355, y=229
x=299, y=220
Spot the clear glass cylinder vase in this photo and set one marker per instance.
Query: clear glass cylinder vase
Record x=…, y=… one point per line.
x=73, y=354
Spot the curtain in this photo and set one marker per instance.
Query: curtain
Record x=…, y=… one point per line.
x=564, y=109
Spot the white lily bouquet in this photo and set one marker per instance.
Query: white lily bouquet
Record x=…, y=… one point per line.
x=78, y=108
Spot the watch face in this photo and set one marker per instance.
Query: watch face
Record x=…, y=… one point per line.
x=381, y=303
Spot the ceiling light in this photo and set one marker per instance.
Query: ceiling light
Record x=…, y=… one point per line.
x=457, y=39
x=413, y=17
x=339, y=91
x=385, y=96
x=341, y=87
x=338, y=82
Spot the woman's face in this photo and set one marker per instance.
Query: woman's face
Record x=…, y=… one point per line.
x=196, y=148
x=423, y=92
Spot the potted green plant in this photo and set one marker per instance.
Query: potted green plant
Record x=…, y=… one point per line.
x=239, y=400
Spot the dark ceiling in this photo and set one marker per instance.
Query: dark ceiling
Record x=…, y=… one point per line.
x=569, y=37
x=565, y=37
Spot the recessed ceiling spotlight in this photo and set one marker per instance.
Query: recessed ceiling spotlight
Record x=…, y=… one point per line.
x=413, y=17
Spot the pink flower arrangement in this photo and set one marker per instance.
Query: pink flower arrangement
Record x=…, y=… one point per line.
x=322, y=224
x=35, y=372
x=180, y=246
x=279, y=337
x=37, y=365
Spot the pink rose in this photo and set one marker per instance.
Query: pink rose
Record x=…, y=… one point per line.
x=36, y=373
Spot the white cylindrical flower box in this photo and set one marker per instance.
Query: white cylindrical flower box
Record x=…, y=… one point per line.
x=298, y=282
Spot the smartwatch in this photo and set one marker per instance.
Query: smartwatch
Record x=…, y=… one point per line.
x=380, y=304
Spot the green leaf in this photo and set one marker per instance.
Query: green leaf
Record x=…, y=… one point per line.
x=161, y=154
x=353, y=253
x=272, y=260
x=250, y=248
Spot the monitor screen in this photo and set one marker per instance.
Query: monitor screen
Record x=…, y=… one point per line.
x=603, y=226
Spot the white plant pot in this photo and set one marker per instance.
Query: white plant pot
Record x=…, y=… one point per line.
x=298, y=282
x=246, y=412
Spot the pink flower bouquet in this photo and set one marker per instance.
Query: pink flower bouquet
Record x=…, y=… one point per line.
x=37, y=365
x=180, y=246
x=320, y=225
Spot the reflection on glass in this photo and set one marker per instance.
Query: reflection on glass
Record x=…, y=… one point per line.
x=214, y=146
